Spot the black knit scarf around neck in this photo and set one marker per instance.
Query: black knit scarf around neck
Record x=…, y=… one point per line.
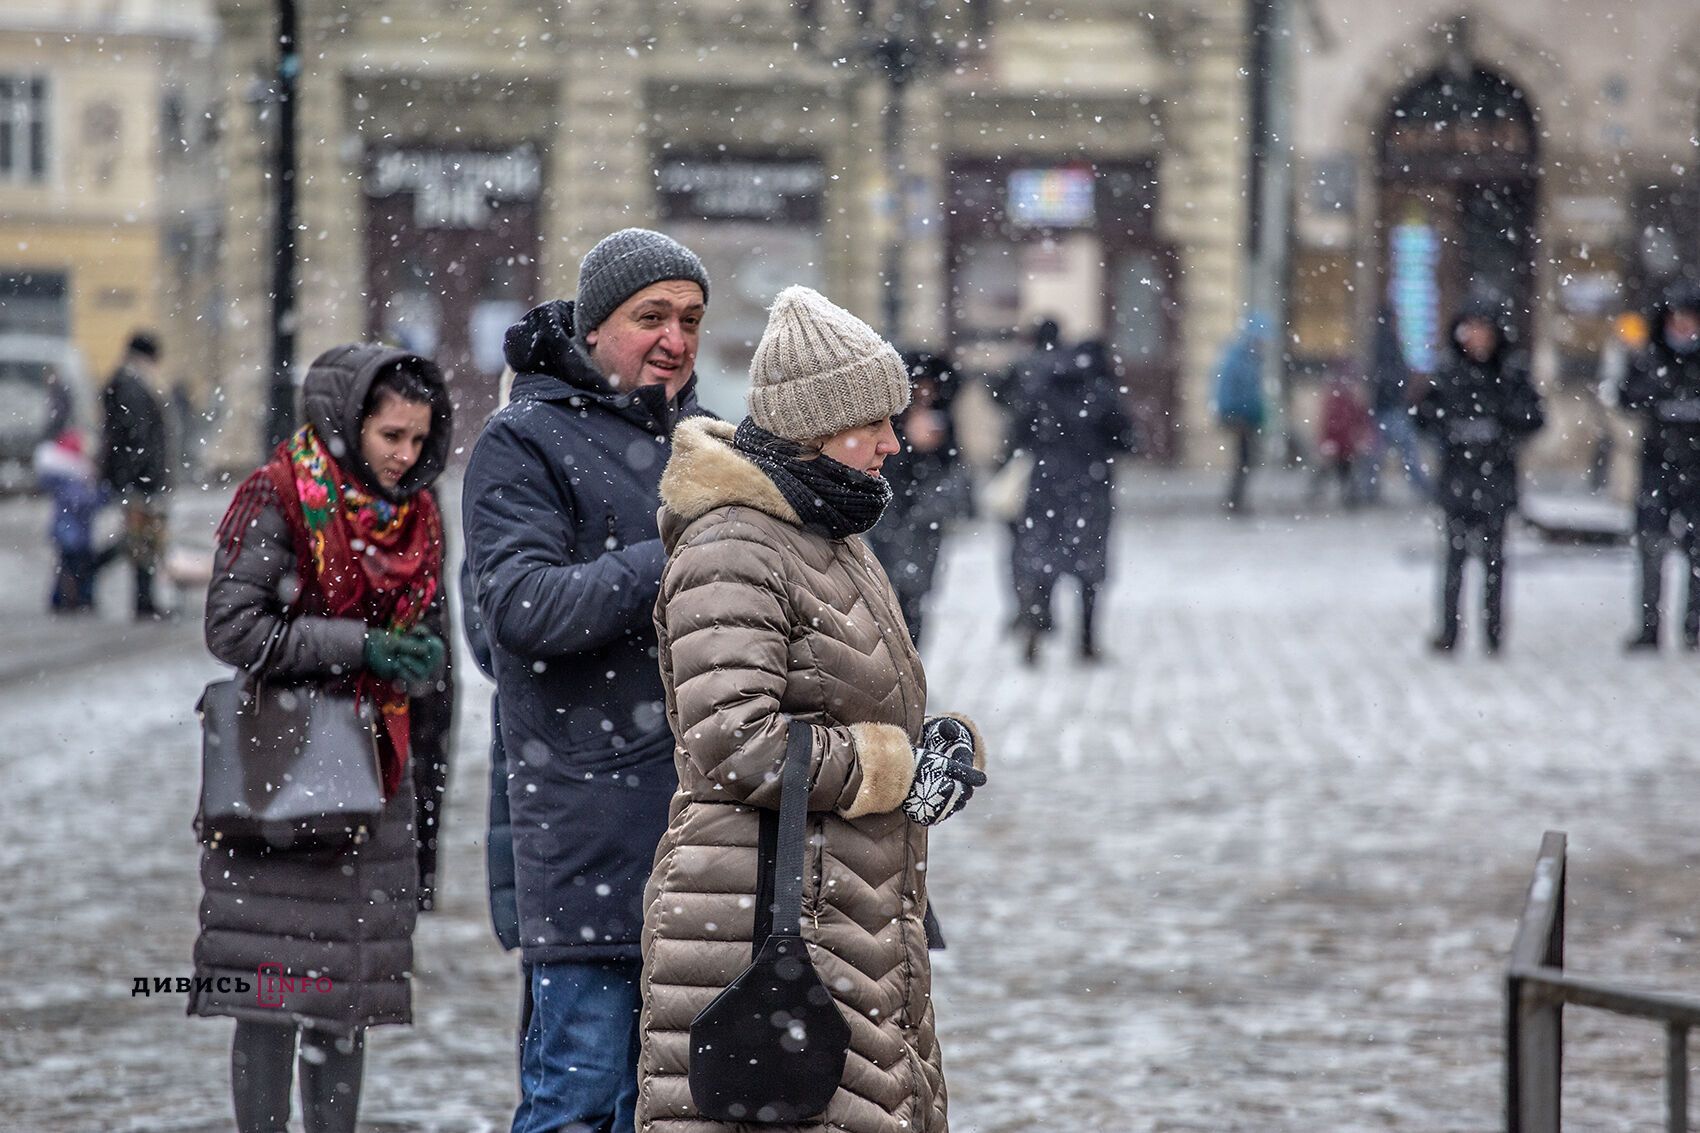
x=831, y=498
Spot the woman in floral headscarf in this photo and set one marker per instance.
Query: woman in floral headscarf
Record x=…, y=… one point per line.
x=330, y=570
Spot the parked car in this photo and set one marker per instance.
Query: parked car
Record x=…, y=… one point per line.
x=43, y=388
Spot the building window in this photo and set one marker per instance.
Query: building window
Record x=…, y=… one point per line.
x=23, y=129
x=173, y=127
x=34, y=302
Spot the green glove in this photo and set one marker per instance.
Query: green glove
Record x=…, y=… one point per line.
x=396, y=656
x=435, y=652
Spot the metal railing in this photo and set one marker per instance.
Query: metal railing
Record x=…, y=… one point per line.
x=1536, y=990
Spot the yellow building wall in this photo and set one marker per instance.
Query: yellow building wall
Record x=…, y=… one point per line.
x=111, y=275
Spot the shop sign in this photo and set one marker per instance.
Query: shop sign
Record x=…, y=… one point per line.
x=1052, y=198
x=1415, y=287
x=455, y=188
x=741, y=189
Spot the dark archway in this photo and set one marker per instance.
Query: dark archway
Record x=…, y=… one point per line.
x=1457, y=174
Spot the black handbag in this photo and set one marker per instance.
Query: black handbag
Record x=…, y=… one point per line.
x=285, y=766
x=770, y=1049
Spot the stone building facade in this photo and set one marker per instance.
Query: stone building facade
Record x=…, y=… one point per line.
x=1545, y=153
x=108, y=218
x=1076, y=158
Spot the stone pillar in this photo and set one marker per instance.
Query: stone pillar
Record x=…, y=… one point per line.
x=856, y=224
x=1203, y=211
x=238, y=405
x=926, y=275
x=330, y=241
x=599, y=176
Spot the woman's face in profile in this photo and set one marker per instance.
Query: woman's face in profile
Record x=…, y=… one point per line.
x=393, y=436
x=864, y=447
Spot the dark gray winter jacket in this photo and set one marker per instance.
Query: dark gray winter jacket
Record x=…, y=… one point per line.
x=559, y=509
x=1662, y=387
x=135, y=443
x=345, y=915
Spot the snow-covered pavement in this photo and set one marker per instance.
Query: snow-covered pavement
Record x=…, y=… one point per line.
x=1257, y=871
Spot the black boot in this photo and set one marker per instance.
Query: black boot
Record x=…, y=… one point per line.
x=1493, y=590
x=1645, y=641
x=1451, y=589
x=1088, y=624
x=262, y=1070
x=146, y=608
x=331, y=1070
x=1650, y=554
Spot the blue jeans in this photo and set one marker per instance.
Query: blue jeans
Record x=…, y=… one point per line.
x=578, y=1062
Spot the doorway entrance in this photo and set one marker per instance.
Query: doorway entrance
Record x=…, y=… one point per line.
x=451, y=241
x=1457, y=194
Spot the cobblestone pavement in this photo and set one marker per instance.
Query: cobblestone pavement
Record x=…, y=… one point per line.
x=1257, y=871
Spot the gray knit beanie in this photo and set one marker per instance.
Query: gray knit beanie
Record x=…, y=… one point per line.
x=819, y=370
x=623, y=264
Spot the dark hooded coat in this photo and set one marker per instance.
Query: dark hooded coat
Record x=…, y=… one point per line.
x=135, y=443
x=559, y=507
x=1071, y=420
x=346, y=915
x=1662, y=387
x=1480, y=413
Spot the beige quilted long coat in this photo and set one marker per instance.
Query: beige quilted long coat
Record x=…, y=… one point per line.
x=761, y=621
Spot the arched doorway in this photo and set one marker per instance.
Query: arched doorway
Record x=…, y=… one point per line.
x=1457, y=193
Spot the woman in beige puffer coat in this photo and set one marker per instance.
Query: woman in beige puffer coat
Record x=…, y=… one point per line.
x=773, y=609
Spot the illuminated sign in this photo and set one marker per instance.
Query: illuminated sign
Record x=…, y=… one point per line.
x=1415, y=291
x=1051, y=198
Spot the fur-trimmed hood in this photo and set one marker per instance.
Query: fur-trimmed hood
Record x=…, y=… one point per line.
x=706, y=472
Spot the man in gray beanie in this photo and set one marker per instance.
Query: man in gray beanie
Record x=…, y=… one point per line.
x=565, y=563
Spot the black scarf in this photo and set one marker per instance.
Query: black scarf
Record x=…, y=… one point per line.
x=832, y=499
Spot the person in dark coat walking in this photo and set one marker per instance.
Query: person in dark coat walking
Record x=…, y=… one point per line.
x=136, y=462
x=559, y=503
x=1480, y=407
x=1662, y=387
x=929, y=488
x=1008, y=389
x=329, y=571
x=1074, y=426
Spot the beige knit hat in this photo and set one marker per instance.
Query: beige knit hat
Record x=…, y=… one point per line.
x=819, y=370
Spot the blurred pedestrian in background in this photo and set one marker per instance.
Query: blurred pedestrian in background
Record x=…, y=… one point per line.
x=65, y=472
x=1625, y=342
x=1240, y=406
x=1390, y=406
x=1480, y=408
x=930, y=488
x=1662, y=388
x=1074, y=426
x=1004, y=495
x=1343, y=438
x=136, y=462
x=329, y=571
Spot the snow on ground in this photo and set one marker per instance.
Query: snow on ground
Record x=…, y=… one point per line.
x=1259, y=870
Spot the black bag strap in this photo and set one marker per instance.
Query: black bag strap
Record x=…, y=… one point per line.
x=793, y=833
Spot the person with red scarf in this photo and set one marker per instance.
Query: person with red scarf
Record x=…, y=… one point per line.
x=334, y=547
